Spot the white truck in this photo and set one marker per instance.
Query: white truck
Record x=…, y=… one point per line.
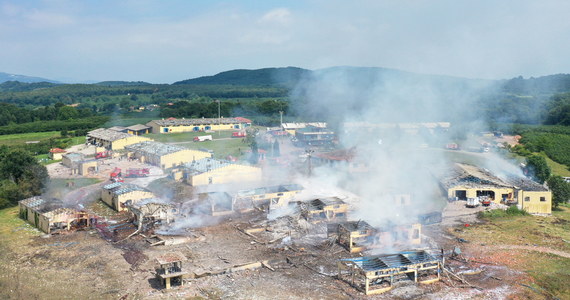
x=472, y=202
x=203, y=138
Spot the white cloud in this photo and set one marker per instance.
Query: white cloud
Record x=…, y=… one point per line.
x=280, y=16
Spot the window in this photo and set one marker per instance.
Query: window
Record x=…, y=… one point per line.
x=542, y=199
x=526, y=199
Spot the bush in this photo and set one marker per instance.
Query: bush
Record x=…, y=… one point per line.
x=512, y=211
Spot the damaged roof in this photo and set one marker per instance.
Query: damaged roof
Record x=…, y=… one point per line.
x=108, y=134
x=271, y=189
x=388, y=261
x=119, y=188
x=203, y=121
x=356, y=225
x=475, y=177
x=155, y=148
x=205, y=165
x=40, y=205
x=321, y=203
x=171, y=257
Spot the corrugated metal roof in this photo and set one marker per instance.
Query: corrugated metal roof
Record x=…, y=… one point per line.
x=292, y=126
x=203, y=121
x=205, y=165
x=108, y=134
x=156, y=148
x=112, y=185
x=138, y=127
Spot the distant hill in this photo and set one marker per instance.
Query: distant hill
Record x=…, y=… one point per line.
x=22, y=78
x=551, y=84
x=288, y=77
x=16, y=86
x=122, y=83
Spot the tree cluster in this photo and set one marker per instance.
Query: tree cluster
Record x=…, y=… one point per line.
x=21, y=176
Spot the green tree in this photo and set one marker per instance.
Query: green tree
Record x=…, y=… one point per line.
x=538, y=168
x=560, y=190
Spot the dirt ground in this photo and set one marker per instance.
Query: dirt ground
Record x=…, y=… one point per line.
x=102, y=263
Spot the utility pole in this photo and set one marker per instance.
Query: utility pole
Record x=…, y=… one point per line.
x=219, y=115
x=281, y=117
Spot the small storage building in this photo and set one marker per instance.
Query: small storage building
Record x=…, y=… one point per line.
x=164, y=155
x=113, y=140
x=116, y=194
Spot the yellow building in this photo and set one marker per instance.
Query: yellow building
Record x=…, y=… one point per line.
x=56, y=154
x=172, y=125
x=51, y=216
x=467, y=181
x=138, y=129
x=112, y=140
x=330, y=209
x=164, y=155
x=212, y=171
x=274, y=197
x=116, y=194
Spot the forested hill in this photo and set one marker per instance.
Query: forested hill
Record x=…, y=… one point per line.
x=287, y=77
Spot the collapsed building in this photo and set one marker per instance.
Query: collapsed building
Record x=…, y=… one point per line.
x=172, y=125
x=152, y=211
x=377, y=274
x=78, y=164
x=314, y=136
x=117, y=194
x=51, y=216
x=212, y=171
x=111, y=139
x=357, y=236
x=163, y=155
x=219, y=203
x=170, y=271
x=466, y=181
x=330, y=209
x=272, y=197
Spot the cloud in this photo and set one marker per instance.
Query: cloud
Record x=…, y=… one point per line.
x=280, y=16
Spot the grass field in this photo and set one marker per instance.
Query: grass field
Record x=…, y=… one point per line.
x=223, y=144
x=551, y=272
x=22, y=138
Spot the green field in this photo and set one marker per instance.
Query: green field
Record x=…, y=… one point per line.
x=22, y=138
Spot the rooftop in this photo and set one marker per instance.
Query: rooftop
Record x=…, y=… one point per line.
x=205, y=165
x=119, y=188
x=291, y=126
x=472, y=176
x=74, y=156
x=202, y=121
x=271, y=189
x=171, y=257
x=319, y=204
x=118, y=128
x=388, y=261
x=155, y=148
x=138, y=127
x=57, y=150
x=107, y=134
x=356, y=225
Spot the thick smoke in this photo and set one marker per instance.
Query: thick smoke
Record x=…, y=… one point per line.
x=373, y=111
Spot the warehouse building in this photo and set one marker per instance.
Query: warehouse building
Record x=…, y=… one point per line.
x=292, y=128
x=117, y=194
x=79, y=165
x=51, y=217
x=172, y=125
x=152, y=211
x=467, y=181
x=111, y=139
x=212, y=171
x=138, y=129
x=164, y=155
x=314, y=136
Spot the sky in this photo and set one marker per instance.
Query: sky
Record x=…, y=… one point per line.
x=168, y=41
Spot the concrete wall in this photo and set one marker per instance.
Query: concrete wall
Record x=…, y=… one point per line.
x=121, y=143
x=193, y=128
x=534, y=205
